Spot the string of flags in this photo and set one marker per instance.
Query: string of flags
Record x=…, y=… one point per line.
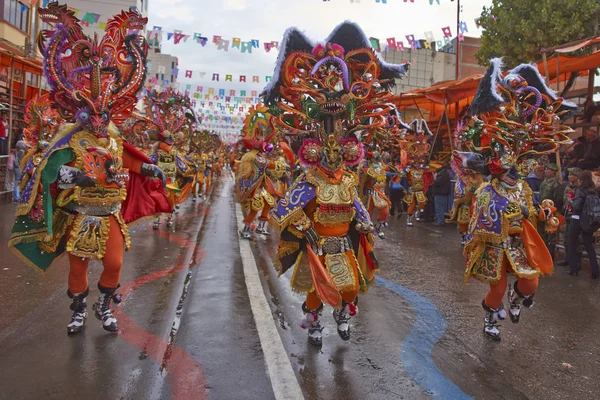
x=216, y=77
x=156, y=35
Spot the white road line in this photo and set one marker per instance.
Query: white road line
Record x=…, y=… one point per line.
x=283, y=380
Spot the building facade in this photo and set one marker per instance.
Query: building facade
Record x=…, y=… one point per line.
x=430, y=66
x=87, y=10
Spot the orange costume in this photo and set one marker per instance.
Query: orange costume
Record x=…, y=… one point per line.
x=325, y=93
x=512, y=116
x=84, y=186
x=373, y=179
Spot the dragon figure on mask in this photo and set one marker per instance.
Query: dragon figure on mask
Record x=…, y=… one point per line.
x=82, y=183
x=328, y=95
x=513, y=118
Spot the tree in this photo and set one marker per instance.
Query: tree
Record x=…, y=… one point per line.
x=518, y=29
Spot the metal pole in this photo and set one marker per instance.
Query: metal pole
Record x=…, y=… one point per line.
x=10, y=102
x=546, y=68
x=592, y=72
x=457, y=41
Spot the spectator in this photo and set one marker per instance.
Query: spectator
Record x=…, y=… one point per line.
x=19, y=153
x=567, y=211
x=591, y=155
x=534, y=180
x=441, y=188
x=577, y=152
x=396, y=191
x=3, y=134
x=586, y=188
x=551, y=188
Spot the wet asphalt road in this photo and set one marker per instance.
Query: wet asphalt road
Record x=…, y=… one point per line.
x=187, y=331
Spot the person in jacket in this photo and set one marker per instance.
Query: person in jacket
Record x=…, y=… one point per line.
x=396, y=191
x=586, y=188
x=569, y=193
x=440, y=190
x=591, y=155
x=551, y=189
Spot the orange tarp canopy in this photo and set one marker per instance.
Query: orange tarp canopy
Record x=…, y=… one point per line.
x=574, y=46
x=446, y=92
x=568, y=64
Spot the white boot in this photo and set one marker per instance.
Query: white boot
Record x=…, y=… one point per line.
x=312, y=323
x=342, y=319
x=262, y=228
x=102, y=308
x=246, y=232
x=490, y=321
x=79, y=308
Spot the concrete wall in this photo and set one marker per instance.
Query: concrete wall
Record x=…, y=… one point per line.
x=12, y=34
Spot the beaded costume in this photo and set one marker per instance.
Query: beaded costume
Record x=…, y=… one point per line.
x=255, y=189
x=414, y=158
x=83, y=186
x=468, y=168
x=169, y=112
x=373, y=181
x=514, y=116
x=325, y=94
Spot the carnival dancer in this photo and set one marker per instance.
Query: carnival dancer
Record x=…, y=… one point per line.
x=513, y=117
x=325, y=93
x=415, y=149
x=254, y=187
x=373, y=181
x=168, y=111
x=469, y=168
x=83, y=189
x=280, y=174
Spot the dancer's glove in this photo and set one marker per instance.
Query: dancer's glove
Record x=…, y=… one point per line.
x=364, y=226
x=70, y=176
x=153, y=171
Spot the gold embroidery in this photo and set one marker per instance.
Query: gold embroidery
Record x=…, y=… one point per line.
x=88, y=236
x=302, y=281
x=341, y=271
x=333, y=193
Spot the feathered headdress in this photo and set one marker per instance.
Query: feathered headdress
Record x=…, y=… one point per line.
x=331, y=93
x=93, y=82
x=514, y=116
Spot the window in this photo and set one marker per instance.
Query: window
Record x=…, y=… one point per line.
x=16, y=14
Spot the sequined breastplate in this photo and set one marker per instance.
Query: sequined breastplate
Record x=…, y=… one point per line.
x=417, y=183
x=166, y=162
x=334, y=200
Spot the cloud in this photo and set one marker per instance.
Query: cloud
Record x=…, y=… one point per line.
x=266, y=20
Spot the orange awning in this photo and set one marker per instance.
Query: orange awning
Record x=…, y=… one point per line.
x=574, y=46
x=27, y=65
x=567, y=64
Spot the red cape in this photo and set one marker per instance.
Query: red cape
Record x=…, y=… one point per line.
x=145, y=196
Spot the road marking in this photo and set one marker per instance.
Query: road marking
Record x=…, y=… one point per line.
x=415, y=353
x=283, y=380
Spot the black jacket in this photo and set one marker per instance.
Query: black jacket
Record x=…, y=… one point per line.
x=579, y=199
x=442, y=185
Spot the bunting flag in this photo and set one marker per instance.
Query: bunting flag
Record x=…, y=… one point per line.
x=156, y=35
